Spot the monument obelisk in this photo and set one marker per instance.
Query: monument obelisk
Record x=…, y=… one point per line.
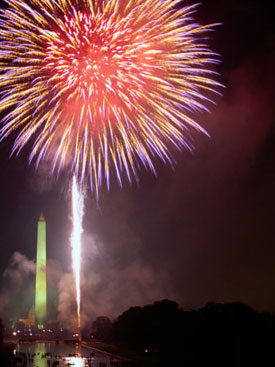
x=40, y=280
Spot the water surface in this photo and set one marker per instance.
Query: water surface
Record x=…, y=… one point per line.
x=61, y=355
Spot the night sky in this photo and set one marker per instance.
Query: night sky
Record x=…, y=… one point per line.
x=199, y=233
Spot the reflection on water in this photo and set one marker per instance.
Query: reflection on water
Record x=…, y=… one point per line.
x=50, y=355
x=39, y=357
x=61, y=355
x=75, y=361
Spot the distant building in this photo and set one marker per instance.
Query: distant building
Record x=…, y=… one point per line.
x=30, y=321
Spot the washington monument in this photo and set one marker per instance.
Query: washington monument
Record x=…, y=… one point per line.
x=40, y=281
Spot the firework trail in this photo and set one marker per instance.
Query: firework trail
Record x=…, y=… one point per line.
x=102, y=86
x=77, y=215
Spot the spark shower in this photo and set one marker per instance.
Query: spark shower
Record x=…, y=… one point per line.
x=100, y=87
x=77, y=215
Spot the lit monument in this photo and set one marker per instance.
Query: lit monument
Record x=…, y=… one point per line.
x=40, y=280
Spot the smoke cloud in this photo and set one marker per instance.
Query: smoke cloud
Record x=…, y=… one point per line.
x=43, y=181
x=4, y=300
x=108, y=286
x=17, y=284
x=19, y=268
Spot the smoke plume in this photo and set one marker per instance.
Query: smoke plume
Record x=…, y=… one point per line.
x=17, y=284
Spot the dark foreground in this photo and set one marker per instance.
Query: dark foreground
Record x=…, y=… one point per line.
x=6, y=350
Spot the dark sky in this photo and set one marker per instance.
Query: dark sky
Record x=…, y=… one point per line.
x=203, y=232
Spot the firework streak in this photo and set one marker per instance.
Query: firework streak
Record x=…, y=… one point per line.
x=102, y=86
x=77, y=215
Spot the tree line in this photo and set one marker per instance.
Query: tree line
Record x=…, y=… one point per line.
x=225, y=334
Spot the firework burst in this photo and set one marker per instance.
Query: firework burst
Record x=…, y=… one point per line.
x=103, y=85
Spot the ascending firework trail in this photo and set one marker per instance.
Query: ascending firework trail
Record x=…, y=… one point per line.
x=77, y=215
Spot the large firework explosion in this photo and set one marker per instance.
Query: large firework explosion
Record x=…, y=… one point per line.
x=103, y=85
